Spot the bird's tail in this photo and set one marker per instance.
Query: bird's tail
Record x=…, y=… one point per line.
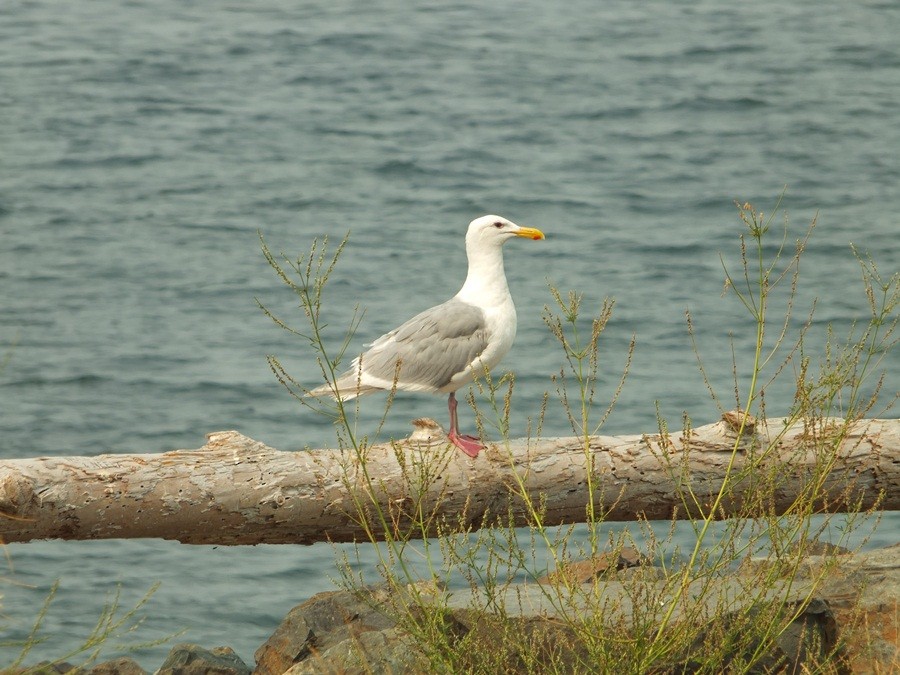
x=345, y=388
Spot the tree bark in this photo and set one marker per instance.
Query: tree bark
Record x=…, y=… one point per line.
x=235, y=490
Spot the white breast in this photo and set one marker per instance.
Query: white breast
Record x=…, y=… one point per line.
x=501, y=328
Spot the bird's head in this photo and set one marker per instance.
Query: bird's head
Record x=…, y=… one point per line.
x=494, y=230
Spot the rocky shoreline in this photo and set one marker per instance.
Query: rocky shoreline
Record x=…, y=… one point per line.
x=342, y=632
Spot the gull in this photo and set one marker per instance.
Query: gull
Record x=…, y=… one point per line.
x=449, y=345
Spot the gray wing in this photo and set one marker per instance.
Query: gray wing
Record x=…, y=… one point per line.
x=432, y=347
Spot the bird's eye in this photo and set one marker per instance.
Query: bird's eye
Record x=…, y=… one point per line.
x=498, y=224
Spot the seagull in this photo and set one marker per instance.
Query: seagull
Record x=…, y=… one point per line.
x=449, y=345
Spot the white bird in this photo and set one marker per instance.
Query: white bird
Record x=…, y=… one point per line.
x=449, y=345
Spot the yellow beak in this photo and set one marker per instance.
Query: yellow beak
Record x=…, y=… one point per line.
x=529, y=233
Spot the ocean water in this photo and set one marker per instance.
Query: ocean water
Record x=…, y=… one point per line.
x=144, y=145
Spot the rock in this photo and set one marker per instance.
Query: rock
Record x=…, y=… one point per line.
x=585, y=571
x=346, y=633
x=372, y=652
x=513, y=644
x=121, y=666
x=810, y=639
x=49, y=668
x=190, y=659
x=864, y=597
x=338, y=631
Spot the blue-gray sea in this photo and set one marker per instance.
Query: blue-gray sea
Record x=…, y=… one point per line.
x=144, y=145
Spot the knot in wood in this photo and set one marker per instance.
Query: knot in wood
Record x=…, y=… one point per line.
x=426, y=430
x=736, y=420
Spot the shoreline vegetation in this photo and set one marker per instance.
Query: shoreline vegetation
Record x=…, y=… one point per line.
x=774, y=586
x=850, y=625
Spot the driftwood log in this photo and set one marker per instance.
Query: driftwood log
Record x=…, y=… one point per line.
x=235, y=490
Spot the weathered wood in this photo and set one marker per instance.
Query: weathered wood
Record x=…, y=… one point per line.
x=235, y=490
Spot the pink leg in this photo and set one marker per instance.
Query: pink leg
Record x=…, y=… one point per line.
x=468, y=444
